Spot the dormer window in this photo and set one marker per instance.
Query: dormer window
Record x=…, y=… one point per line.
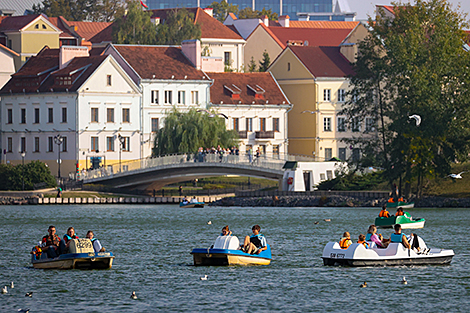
x=108, y=80
x=43, y=26
x=63, y=80
x=234, y=91
x=259, y=92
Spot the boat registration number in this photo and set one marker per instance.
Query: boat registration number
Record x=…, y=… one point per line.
x=337, y=255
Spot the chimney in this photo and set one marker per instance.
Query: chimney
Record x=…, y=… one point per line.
x=266, y=21
x=284, y=20
x=192, y=50
x=67, y=53
x=209, y=11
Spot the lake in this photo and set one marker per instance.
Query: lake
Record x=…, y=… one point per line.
x=152, y=245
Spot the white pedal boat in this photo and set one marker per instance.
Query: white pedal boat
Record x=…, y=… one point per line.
x=394, y=254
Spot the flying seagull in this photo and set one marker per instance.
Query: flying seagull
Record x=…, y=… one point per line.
x=456, y=176
x=417, y=118
x=212, y=114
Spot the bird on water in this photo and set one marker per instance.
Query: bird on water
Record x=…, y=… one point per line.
x=133, y=296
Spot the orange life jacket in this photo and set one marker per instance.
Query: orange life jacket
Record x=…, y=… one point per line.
x=390, y=200
x=345, y=243
x=365, y=244
x=384, y=213
x=399, y=214
x=400, y=199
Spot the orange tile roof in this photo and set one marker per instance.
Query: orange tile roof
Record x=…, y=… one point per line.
x=324, y=24
x=210, y=27
x=93, y=31
x=219, y=91
x=9, y=50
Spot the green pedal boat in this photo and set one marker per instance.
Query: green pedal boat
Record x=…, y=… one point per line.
x=406, y=221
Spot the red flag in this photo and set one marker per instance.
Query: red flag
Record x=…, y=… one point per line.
x=143, y=4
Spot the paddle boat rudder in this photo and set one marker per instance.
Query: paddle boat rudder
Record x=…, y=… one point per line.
x=226, y=251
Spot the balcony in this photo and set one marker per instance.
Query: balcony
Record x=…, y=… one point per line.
x=265, y=134
x=243, y=134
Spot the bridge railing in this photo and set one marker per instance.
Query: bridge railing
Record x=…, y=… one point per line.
x=274, y=162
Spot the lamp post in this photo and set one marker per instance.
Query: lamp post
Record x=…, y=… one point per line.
x=23, y=154
x=58, y=141
x=122, y=140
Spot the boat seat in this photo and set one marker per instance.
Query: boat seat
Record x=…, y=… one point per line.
x=82, y=245
x=371, y=244
x=227, y=242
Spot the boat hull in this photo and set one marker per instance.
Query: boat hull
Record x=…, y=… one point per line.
x=404, y=221
x=192, y=205
x=88, y=261
x=224, y=257
x=400, y=204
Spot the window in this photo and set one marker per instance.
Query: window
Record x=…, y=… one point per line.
x=23, y=116
x=342, y=154
x=64, y=144
x=126, y=144
x=235, y=124
x=249, y=124
x=109, y=143
x=9, y=116
x=110, y=115
x=341, y=124
x=181, y=97
x=341, y=95
x=22, y=144
x=194, y=97
x=43, y=26
x=168, y=96
x=322, y=176
x=227, y=58
x=154, y=96
x=64, y=115
x=10, y=144
x=36, y=115
x=262, y=124
x=94, y=115
x=356, y=155
x=262, y=149
x=36, y=26
x=276, y=124
x=108, y=80
x=50, y=144
x=154, y=123
x=326, y=94
x=94, y=144
x=329, y=174
x=370, y=125
x=328, y=154
x=327, y=124
x=288, y=66
x=9, y=43
x=36, y=144
x=276, y=151
x=356, y=125
x=50, y=115
x=125, y=116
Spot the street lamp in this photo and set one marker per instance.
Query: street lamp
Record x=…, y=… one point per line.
x=122, y=140
x=23, y=154
x=58, y=140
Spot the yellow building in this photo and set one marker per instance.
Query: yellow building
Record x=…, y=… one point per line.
x=315, y=79
x=27, y=35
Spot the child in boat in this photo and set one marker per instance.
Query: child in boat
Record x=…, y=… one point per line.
x=345, y=242
x=384, y=212
x=96, y=243
x=226, y=231
x=377, y=239
x=362, y=240
x=255, y=243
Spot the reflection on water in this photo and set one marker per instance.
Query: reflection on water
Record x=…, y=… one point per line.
x=152, y=245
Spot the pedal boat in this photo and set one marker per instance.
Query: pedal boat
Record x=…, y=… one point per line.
x=394, y=254
x=81, y=256
x=226, y=251
x=406, y=222
x=400, y=204
x=192, y=204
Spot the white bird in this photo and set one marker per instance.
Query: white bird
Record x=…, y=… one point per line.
x=209, y=223
x=133, y=296
x=404, y=281
x=417, y=118
x=311, y=112
x=5, y=290
x=12, y=285
x=29, y=294
x=456, y=176
x=204, y=278
x=212, y=114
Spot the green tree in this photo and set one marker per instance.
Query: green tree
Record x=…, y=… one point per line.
x=186, y=132
x=414, y=63
x=252, y=65
x=33, y=173
x=264, y=64
x=73, y=10
x=222, y=9
x=109, y=10
x=135, y=27
x=178, y=26
x=250, y=13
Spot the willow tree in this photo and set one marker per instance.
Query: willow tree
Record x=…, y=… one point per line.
x=185, y=132
x=414, y=63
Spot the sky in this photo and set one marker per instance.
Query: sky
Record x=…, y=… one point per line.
x=367, y=7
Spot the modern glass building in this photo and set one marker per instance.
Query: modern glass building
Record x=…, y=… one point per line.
x=289, y=7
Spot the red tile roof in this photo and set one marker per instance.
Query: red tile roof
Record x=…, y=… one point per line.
x=159, y=62
x=94, y=32
x=15, y=23
x=323, y=61
x=314, y=36
x=60, y=23
x=223, y=83
x=210, y=27
x=324, y=24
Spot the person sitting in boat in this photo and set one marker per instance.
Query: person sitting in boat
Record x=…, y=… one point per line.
x=96, y=243
x=345, y=242
x=226, y=231
x=377, y=239
x=65, y=243
x=399, y=237
x=193, y=200
x=399, y=212
x=185, y=200
x=362, y=240
x=384, y=212
x=255, y=243
x=51, y=243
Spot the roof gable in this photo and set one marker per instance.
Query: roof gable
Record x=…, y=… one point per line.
x=17, y=23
